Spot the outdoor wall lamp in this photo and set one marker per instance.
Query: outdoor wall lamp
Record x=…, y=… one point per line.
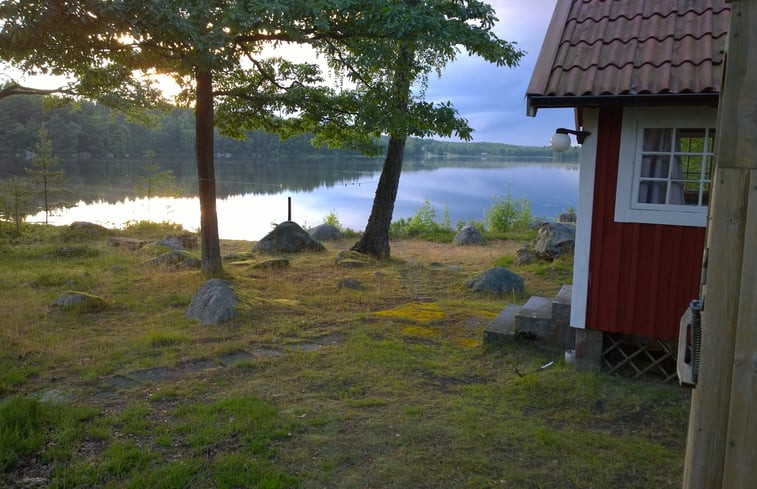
x=561, y=141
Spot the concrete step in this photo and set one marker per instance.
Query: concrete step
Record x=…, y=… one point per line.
x=536, y=317
x=564, y=334
x=561, y=304
x=502, y=328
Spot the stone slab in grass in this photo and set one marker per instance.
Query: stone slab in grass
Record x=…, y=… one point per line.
x=175, y=260
x=79, y=302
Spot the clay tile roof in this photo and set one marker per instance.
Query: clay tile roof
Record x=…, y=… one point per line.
x=608, y=48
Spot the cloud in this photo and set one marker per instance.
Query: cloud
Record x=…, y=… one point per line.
x=493, y=98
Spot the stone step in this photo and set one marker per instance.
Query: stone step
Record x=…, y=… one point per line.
x=536, y=317
x=502, y=328
x=564, y=334
x=561, y=304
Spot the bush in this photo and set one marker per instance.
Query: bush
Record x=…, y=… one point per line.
x=333, y=220
x=424, y=225
x=507, y=213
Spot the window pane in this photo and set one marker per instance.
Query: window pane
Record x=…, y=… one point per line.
x=687, y=168
x=652, y=192
x=655, y=166
x=657, y=139
x=690, y=140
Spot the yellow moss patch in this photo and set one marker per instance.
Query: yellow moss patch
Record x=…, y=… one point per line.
x=419, y=332
x=468, y=342
x=421, y=312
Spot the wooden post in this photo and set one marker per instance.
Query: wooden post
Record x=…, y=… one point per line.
x=721, y=451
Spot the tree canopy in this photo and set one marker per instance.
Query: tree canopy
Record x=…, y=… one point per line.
x=219, y=53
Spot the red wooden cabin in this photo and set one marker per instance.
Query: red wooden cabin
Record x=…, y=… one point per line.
x=643, y=77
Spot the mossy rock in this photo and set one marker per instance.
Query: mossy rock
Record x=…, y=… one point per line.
x=352, y=259
x=79, y=302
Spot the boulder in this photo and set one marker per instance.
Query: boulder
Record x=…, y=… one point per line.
x=325, y=232
x=287, y=237
x=171, y=242
x=350, y=283
x=214, y=303
x=468, y=235
x=175, y=260
x=554, y=240
x=84, y=230
x=497, y=280
x=525, y=256
x=79, y=302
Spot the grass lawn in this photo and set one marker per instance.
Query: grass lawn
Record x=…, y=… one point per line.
x=313, y=385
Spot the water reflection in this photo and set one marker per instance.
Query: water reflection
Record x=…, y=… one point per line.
x=254, y=196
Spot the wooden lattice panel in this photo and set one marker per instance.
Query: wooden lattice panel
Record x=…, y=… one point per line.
x=635, y=357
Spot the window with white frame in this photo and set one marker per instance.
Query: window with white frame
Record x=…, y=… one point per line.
x=665, y=166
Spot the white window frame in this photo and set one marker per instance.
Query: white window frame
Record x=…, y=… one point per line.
x=635, y=120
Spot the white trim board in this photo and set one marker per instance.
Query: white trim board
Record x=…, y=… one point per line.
x=584, y=214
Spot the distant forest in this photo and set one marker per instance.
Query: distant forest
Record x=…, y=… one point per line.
x=88, y=131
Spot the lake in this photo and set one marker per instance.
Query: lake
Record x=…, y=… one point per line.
x=253, y=195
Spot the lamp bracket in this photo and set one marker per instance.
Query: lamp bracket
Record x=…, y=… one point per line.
x=580, y=135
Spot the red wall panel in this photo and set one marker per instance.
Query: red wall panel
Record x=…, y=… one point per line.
x=641, y=276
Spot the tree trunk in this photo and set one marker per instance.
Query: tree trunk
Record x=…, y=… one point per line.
x=375, y=240
x=210, y=245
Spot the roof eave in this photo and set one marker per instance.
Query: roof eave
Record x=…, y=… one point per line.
x=536, y=102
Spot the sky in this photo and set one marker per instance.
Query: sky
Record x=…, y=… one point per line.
x=492, y=98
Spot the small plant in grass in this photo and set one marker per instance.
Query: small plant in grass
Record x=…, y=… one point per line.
x=333, y=220
x=508, y=213
x=16, y=201
x=424, y=225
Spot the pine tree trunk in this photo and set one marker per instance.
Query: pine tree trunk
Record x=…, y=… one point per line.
x=210, y=245
x=375, y=240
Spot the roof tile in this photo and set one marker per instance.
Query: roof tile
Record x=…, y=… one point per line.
x=629, y=47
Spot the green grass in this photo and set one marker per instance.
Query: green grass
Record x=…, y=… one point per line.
x=403, y=395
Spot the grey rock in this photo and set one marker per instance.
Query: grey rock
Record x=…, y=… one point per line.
x=468, y=235
x=497, y=280
x=272, y=264
x=525, y=256
x=555, y=240
x=79, y=302
x=288, y=237
x=171, y=242
x=350, y=283
x=325, y=232
x=175, y=260
x=567, y=217
x=214, y=303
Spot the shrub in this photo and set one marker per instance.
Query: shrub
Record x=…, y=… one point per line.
x=424, y=225
x=507, y=213
x=333, y=220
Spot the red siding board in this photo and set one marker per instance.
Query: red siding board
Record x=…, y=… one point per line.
x=641, y=276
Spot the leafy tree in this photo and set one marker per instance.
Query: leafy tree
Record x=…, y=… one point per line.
x=390, y=74
x=214, y=49
x=45, y=173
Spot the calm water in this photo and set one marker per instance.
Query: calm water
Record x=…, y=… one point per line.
x=247, y=210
